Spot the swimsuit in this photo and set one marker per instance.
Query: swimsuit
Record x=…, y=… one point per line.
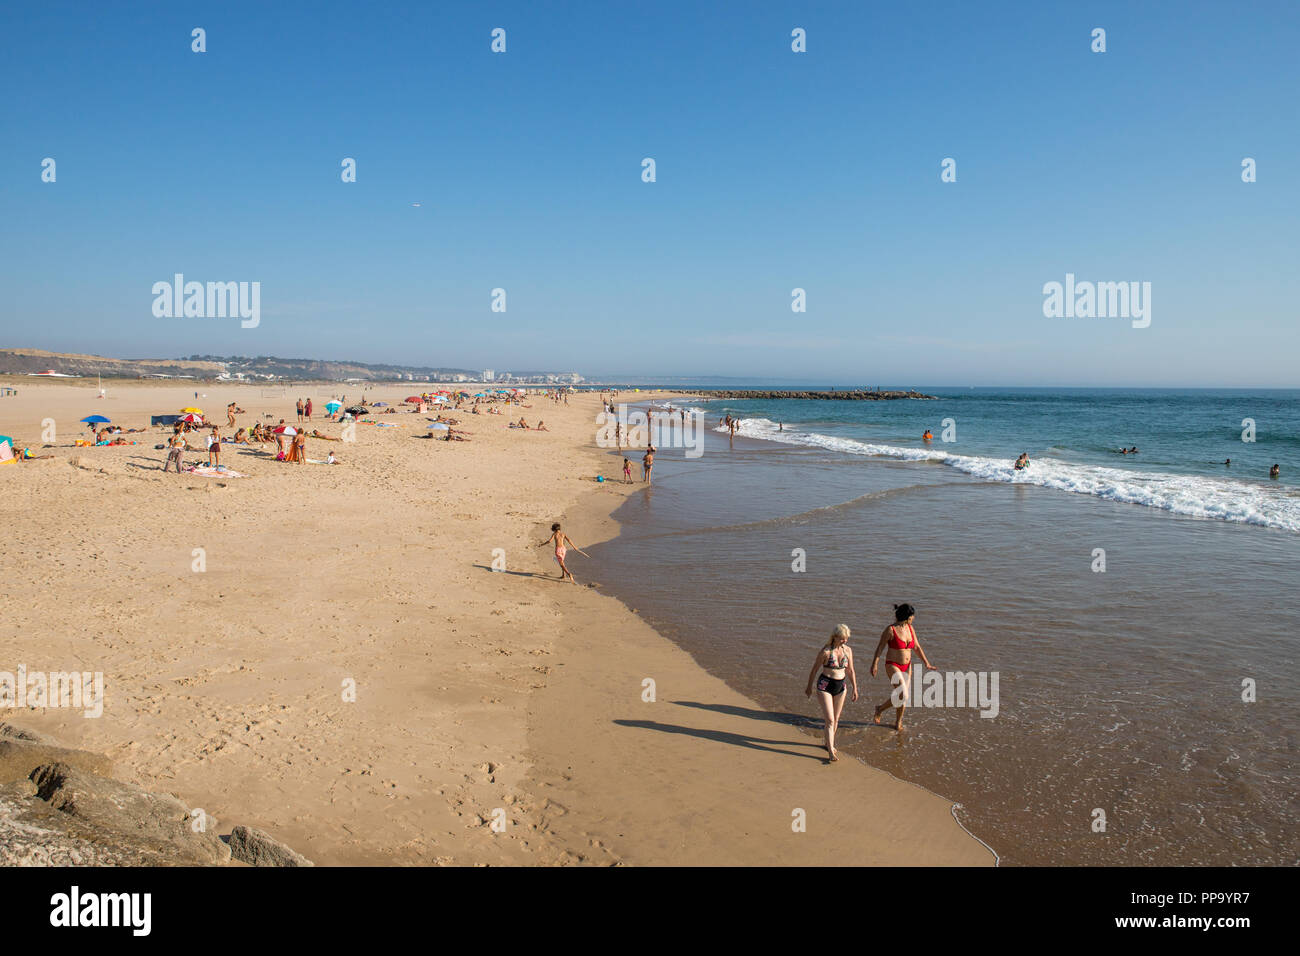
x=898, y=645
x=559, y=554
x=833, y=685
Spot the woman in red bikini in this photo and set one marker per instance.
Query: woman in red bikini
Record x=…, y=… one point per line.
x=901, y=639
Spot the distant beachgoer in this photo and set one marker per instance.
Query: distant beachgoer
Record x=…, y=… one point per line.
x=1275, y=471
x=230, y=414
x=307, y=409
x=1227, y=462
x=899, y=658
x=928, y=435
x=835, y=660
x=1022, y=462
x=618, y=434
x=1133, y=450
x=541, y=426
x=562, y=543
x=175, y=451
x=214, y=447
x=299, y=409
x=627, y=471
x=647, y=464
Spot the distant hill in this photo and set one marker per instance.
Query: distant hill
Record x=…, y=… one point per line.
x=262, y=367
x=22, y=361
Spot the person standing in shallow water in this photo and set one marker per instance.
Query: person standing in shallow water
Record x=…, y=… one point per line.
x=901, y=640
x=835, y=660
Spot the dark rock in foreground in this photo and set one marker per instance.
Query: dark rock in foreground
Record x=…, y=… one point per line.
x=60, y=807
x=258, y=849
x=158, y=822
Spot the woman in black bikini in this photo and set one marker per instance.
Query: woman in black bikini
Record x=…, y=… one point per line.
x=835, y=661
x=898, y=660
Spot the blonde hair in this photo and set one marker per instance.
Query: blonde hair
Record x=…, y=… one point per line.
x=841, y=630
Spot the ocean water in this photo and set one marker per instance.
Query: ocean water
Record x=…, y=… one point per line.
x=1158, y=694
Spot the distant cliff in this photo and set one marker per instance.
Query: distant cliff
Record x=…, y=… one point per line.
x=263, y=367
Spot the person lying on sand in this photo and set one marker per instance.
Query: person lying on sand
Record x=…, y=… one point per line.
x=26, y=455
x=541, y=426
x=835, y=660
x=316, y=434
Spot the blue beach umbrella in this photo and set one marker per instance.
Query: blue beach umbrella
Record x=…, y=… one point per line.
x=95, y=419
x=333, y=406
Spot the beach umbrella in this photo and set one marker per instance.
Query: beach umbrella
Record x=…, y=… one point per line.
x=285, y=430
x=357, y=410
x=95, y=419
x=192, y=411
x=381, y=404
x=191, y=418
x=412, y=399
x=332, y=407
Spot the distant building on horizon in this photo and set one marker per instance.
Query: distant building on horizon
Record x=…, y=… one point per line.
x=488, y=375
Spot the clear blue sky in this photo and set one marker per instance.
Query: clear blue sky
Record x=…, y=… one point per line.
x=775, y=170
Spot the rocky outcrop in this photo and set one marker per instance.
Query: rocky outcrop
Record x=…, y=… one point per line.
x=149, y=820
x=257, y=848
x=61, y=807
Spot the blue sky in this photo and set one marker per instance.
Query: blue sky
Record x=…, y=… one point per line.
x=775, y=170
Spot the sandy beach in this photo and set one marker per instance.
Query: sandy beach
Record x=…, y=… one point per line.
x=480, y=696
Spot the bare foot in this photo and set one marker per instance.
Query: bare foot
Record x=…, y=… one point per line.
x=875, y=719
x=898, y=724
x=835, y=756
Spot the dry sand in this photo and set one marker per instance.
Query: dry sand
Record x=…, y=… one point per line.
x=479, y=695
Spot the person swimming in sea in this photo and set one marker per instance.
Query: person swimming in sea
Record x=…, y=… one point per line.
x=1022, y=462
x=898, y=661
x=835, y=660
x=1275, y=471
x=927, y=435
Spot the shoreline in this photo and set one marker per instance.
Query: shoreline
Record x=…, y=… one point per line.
x=716, y=783
x=479, y=696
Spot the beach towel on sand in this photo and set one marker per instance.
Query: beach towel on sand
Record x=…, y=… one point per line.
x=207, y=471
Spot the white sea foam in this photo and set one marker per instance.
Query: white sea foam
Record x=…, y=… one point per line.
x=1191, y=495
